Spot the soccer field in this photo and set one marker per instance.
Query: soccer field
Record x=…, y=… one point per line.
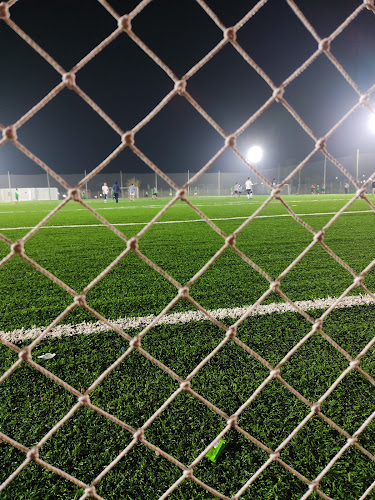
x=254, y=374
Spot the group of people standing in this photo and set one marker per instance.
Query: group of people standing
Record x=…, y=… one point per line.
x=116, y=191
x=238, y=189
x=317, y=189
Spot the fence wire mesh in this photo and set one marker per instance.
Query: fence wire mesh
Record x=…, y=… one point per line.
x=127, y=139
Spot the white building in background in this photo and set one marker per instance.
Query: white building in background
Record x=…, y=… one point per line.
x=29, y=194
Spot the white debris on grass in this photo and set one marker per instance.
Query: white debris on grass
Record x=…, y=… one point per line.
x=48, y=355
x=131, y=323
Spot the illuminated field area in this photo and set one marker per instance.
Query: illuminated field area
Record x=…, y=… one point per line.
x=75, y=247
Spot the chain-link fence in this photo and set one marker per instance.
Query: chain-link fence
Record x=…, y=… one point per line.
x=317, y=173
x=180, y=186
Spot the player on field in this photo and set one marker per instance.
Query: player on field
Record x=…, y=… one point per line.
x=105, y=191
x=132, y=192
x=115, y=191
x=249, y=188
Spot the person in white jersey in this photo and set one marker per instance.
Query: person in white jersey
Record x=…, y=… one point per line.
x=105, y=190
x=249, y=188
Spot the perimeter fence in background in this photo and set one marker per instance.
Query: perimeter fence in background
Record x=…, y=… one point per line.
x=128, y=139
x=210, y=184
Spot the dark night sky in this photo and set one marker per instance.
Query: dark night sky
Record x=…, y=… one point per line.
x=127, y=84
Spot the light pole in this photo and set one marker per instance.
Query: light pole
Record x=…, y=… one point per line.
x=10, y=187
x=371, y=124
x=357, y=166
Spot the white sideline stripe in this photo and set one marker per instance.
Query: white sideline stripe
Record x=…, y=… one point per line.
x=181, y=318
x=128, y=207
x=184, y=221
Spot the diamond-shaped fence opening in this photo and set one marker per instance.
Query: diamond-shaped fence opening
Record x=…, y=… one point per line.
x=257, y=394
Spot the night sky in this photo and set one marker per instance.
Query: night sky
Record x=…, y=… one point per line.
x=70, y=137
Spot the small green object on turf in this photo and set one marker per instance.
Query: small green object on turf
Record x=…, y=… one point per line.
x=216, y=451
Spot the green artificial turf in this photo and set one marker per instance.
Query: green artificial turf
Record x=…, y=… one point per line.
x=31, y=404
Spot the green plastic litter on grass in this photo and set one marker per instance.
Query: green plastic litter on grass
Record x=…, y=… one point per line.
x=216, y=451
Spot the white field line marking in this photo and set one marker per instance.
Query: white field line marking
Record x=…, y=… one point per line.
x=134, y=207
x=185, y=221
x=181, y=318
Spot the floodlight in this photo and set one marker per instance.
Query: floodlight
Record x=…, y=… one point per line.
x=255, y=154
x=372, y=123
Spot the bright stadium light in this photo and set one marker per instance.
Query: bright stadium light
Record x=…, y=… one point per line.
x=255, y=154
x=372, y=123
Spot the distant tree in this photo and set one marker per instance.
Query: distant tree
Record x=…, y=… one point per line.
x=134, y=181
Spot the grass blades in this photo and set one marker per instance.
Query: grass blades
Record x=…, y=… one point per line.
x=31, y=404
